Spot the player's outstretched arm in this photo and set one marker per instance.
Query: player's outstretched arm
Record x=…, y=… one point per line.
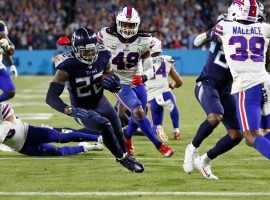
x=55, y=90
x=178, y=81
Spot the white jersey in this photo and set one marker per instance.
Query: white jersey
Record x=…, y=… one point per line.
x=245, y=49
x=126, y=57
x=159, y=83
x=13, y=134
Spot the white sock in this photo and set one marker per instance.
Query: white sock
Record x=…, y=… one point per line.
x=205, y=158
x=192, y=148
x=176, y=130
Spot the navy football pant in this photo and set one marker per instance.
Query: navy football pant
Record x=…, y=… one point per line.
x=6, y=85
x=104, y=119
x=214, y=101
x=37, y=140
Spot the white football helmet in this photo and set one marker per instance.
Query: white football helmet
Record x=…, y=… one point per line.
x=156, y=45
x=127, y=22
x=247, y=10
x=261, y=15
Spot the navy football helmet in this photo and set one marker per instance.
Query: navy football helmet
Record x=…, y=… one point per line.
x=84, y=45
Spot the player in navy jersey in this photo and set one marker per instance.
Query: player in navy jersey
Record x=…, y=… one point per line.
x=81, y=70
x=6, y=51
x=213, y=93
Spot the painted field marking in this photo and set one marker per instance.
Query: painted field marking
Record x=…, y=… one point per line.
x=167, y=193
x=111, y=158
x=35, y=116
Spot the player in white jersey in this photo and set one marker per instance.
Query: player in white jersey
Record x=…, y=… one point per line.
x=159, y=91
x=245, y=42
x=6, y=50
x=33, y=141
x=130, y=50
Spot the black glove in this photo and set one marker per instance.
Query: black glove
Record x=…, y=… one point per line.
x=111, y=83
x=78, y=112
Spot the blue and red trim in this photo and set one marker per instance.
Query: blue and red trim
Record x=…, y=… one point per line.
x=253, y=8
x=129, y=12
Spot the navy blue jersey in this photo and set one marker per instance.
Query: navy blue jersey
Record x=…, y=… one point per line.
x=84, y=80
x=216, y=67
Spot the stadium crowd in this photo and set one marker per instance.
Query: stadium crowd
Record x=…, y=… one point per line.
x=37, y=24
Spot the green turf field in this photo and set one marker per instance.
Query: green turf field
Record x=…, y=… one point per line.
x=241, y=170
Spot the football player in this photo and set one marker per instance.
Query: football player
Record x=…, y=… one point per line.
x=33, y=141
x=245, y=41
x=82, y=70
x=6, y=51
x=213, y=92
x=159, y=91
x=130, y=49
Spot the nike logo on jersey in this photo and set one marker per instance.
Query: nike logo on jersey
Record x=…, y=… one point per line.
x=247, y=31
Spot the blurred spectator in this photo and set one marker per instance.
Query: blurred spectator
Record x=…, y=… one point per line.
x=36, y=24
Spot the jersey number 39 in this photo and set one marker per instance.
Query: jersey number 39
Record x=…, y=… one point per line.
x=255, y=45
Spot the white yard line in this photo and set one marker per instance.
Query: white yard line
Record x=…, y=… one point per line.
x=135, y=193
x=111, y=158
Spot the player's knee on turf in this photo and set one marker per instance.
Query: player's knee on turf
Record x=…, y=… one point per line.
x=214, y=119
x=235, y=135
x=139, y=113
x=250, y=137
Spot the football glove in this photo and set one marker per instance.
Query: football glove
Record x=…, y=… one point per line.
x=4, y=44
x=13, y=71
x=138, y=79
x=77, y=112
x=111, y=83
x=64, y=41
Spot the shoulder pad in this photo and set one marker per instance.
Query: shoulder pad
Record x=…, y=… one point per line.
x=169, y=58
x=60, y=58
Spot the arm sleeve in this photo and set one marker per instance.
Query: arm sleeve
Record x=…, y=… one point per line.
x=148, y=68
x=53, y=97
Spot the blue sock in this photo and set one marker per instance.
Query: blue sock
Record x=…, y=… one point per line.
x=67, y=150
x=77, y=137
x=223, y=145
x=146, y=128
x=267, y=136
x=262, y=145
x=203, y=132
x=175, y=117
x=131, y=128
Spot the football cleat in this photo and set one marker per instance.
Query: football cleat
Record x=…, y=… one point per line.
x=161, y=134
x=204, y=168
x=131, y=164
x=176, y=135
x=91, y=146
x=166, y=151
x=189, y=158
x=130, y=147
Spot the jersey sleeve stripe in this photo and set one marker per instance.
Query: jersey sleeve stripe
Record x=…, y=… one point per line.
x=220, y=33
x=219, y=27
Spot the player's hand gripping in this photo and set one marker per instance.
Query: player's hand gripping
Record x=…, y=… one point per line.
x=138, y=79
x=77, y=112
x=4, y=44
x=13, y=71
